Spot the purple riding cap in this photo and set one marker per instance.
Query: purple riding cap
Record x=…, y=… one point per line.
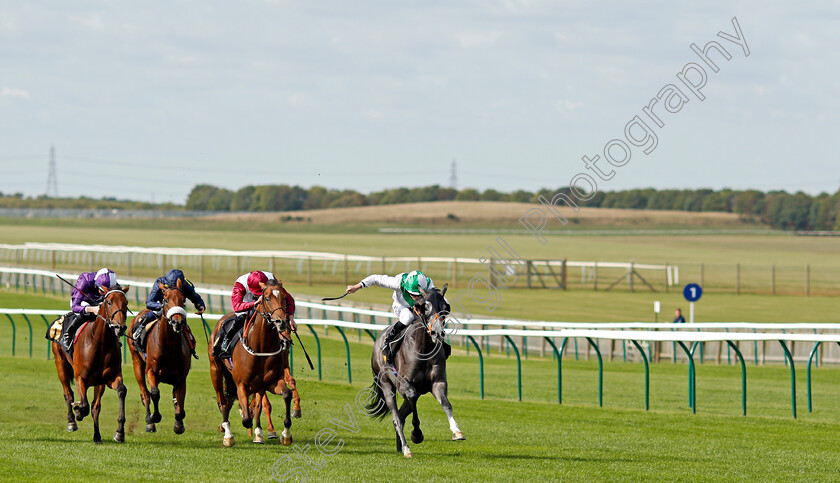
x=87, y=289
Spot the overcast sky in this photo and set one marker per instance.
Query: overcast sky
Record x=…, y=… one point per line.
x=146, y=100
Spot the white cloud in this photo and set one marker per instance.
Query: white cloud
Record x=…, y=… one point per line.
x=567, y=105
x=89, y=21
x=468, y=40
x=7, y=92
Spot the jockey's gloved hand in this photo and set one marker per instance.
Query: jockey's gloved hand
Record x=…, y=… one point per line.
x=354, y=288
x=92, y=309
x=199, y=310
x=292, y=323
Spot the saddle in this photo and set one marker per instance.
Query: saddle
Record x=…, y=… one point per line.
x=229, y=334
x=141, y=333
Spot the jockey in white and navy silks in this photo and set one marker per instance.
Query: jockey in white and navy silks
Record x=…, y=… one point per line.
x=406, y=286
x=85, y=298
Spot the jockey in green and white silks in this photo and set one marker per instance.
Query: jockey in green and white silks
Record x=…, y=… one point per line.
x=406, y=286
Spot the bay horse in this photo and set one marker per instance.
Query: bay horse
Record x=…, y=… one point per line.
x=259, y=364
x=167, y=357
x=419, y=367
x=96, y=362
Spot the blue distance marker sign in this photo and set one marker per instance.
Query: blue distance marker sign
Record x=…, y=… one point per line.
x=692, y=292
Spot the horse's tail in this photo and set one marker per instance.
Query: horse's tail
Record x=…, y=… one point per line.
x=376, y=407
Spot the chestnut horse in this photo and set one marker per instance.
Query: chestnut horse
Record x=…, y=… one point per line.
x=167, y=358
x=96, y=362
x=259, y=364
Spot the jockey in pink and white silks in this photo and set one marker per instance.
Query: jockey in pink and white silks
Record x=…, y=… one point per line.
x=407, y=287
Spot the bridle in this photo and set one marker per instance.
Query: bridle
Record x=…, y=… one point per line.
x=118, y=329
x=280, y=325
x=168, y=315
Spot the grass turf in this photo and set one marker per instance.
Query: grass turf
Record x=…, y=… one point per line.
x=536, y=439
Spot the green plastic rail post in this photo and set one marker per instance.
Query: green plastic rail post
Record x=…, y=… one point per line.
x=600, y=372
x=743, y=377
x=690, y=354
x=14, y=332
x=789, y=359
x=560, y=370
x=557, y=356
x=347, y=348
x=370, y=333
x=647, y=374
x=808, y=372
x=480, y=365
x=46, y=323
x=518, y=368
x=30, y=325
x=318, y=348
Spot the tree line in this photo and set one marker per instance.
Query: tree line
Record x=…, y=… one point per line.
x=797, y=211
x=794, y=211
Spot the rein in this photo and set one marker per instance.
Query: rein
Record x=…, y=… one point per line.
x=266, y=315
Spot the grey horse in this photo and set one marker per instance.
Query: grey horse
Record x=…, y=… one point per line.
x=419, y=367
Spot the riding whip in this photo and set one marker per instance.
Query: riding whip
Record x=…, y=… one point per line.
x=334, y=298
x=312, y=367
x=204, y=325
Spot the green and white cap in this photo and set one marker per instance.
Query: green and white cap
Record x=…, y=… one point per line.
x=411, y=284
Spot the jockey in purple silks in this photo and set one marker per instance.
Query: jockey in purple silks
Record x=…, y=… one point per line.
x=88, y=293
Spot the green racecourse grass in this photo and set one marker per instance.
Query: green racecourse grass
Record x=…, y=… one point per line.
x=506, y=440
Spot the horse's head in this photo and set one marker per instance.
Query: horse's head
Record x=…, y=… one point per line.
x=173, y=306
x=114, y=309
x=433, y=308
x=273, y=305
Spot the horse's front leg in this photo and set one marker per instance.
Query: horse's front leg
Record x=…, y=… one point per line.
x=154, y=392
x=284, y=391
x=82, y=408
x=140, y=376
x=179, y=394
x=65, y=374
x=242, y=395
x=292, y=385
x=256, y=411
x=97, y=405
x=439, y=389
x=119, y=386
x=391, y=401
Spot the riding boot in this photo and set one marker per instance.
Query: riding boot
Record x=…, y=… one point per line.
x=190, y=340
x=71, y=323
x=390, y=339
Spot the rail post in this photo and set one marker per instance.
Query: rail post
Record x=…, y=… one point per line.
x=30, y=326
x=318, y=348
x=690, y=355
x=48, y=328
x=518, y=367
x=743, y=377
x=808, y=372
x=14, y=333
x=647, y=374
x=557, y=354
x=480, y=365
x=600, y=372
x=346, y=348
x=789, y=358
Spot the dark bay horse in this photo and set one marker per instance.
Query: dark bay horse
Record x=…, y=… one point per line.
x=419, y=367
x=167, y=358
x=259, y=364
x=96, y=362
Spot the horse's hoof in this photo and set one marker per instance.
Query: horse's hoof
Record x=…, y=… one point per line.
x=287, y=441
x=417, y=436
x=179, y=428
x=296, y=413
x=271, y=435
x=458, y=436
x=97, y=441
x=71, y=426
x=119, y=437
x=408, y=454
x=229, y=442
x=156, y=418
x=259, y=439
x=150, y=428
